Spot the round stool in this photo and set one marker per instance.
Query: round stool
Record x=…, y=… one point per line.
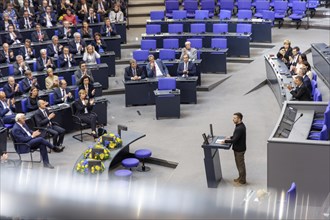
x=142, y=154
x=123, y=173
x=130, y=162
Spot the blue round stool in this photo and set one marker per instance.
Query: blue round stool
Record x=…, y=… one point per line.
x=130, y=162
x=143, y=154
x=123, y=173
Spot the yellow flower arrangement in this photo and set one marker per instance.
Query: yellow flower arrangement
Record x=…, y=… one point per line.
x=97, y=152
x=84, y=168
x=110, y=141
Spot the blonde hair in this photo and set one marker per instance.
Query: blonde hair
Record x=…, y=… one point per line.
x=287, y=42
x=81, y=91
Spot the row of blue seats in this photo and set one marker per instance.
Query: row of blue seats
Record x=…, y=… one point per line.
x=198, y=28
x=321, y=125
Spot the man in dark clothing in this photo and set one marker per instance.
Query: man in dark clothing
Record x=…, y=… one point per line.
x=238, y=140
x=301, y=93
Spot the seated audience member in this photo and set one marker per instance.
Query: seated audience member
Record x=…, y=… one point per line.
x=11, y=88
x=99, y=44
x=27, y=51
x=85, y=84
x=44, y=62
x=13, y=36
x=39, y=35
x=116, y=15
x=48, y=19
x=32, y=102
x=108, y=29
x=23, y=134
x=20, y=67
x=27, y=7
x=44, y=119
x=51, y=80
x=63, y=94
x=29, y=81
x=5, y=22
x=54, y=49
x=86, y=31
x=66, y=59
x=66, y=31
x=26, y=21
x=190, y=51
x=84, y=108
x=77, y=45
x=70, y=17
x=156, y=68
x=11, y=12
x=43, y=7
x=294, y=58
x=6, y=55
x=306, y=80
x=300, y=93
x=7, y=109
x=82, y=9
x=133, y=71
x=186, y=68
x=83, y=71
x=101, y=7
x=91, y=16
x=285, y=52
x=295, y=69
x=91, y=55
x=63, y=6
x=309, y=69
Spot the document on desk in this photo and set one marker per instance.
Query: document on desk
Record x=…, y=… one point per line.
x=219, y=140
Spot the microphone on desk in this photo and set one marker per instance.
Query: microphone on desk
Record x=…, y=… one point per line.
x=302, y=114
x=289, y=130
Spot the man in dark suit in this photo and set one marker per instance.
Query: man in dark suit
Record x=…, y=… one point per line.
x=23, y=134
x=48, y=19
x=26, y=22
x=101, y=7
x=81, y=72
x=66, y=59
x=44, y=62
x=20, y=67
x=77, y=45
x=11, y=88
x=26, y=51
x=301, y=93
x=307, y=82
x=66, y=31
x=39, y=35
x=13, y=36
x=6, y=55
x=156, y=68
x=186, y=68
x=82, y=9
x=7, y=109
x=44, y=118
x=29, y=81
x=134, y=72
x=54, y=49
x=91, y=16
x=108, y=29
x=26, y=7
x=63, y=94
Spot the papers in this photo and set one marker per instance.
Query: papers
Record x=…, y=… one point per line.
x=219, y=141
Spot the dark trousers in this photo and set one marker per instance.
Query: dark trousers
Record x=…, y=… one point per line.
x=10, y=119
x=42, y=144
x=240, y=164
x=89, y=119
x=58, y=134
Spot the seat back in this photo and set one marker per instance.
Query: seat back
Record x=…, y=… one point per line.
x=170, y=6
x=179, y=14
x=175, y=28
x=208, y=5
x=225, y=14
x=227, y=5
x=220, y=28
x=244, y=28
x=24, y=105
x=166, y=83
x=148, y=44
x=10, y=69
x=268, y=15
x=299, y=8
x=201, y=14
x=243, y=5
x=317, y=97
x=314, y=86
x=280, y=6
x=157, y=15
x=191, y=6
x=51, y=98
x=219, y=43
x=197, y=28
x=170, y=43
x=20, y=85
x=324, y=134
x=291, y=193
x=196, y=43
x=244, y=14
x=262, y=6
x=34, y=65
x=20, y=149
x=314, y=76
x=140, y=55
x=153, y=29
x=56, y=32
x=166, y=54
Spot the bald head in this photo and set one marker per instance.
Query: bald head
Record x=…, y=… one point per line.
x=11, y=80
x=2, y=95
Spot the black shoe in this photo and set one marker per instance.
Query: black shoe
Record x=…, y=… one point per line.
x=58, y=149
x=236, y=180
x=48, y=165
